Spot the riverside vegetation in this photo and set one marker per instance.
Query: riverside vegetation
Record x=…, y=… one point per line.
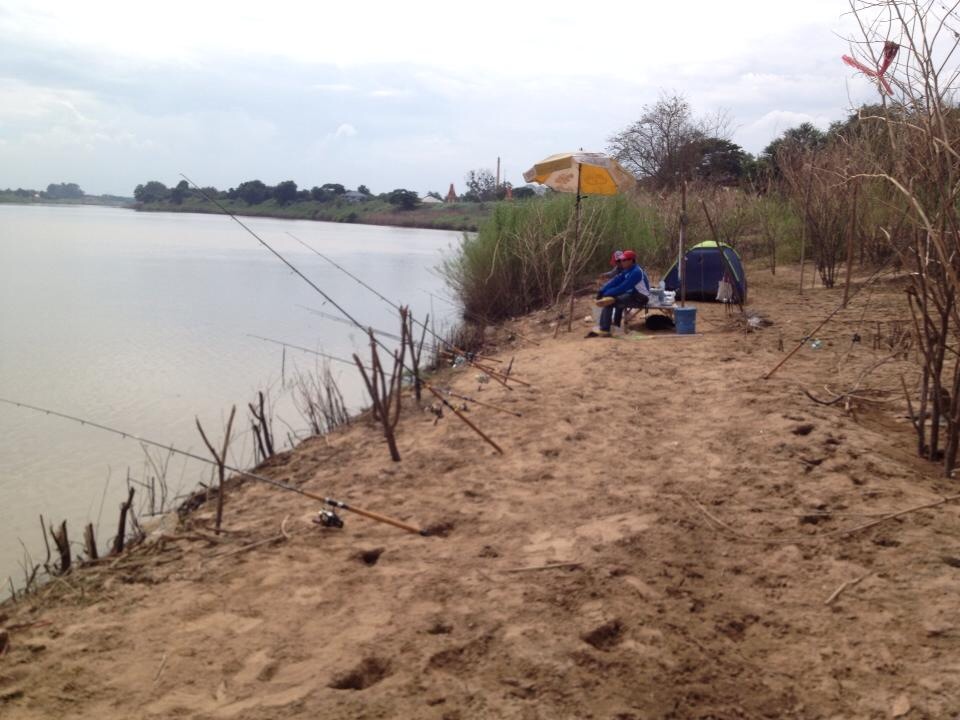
x=877, y=191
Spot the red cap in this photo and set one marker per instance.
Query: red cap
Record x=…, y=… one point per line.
x=629, y=255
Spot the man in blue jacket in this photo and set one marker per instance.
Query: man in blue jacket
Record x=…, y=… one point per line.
x=631, y=288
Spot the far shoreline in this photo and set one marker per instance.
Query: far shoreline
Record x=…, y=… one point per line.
x=461, y=217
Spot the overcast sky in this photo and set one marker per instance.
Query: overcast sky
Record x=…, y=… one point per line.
x=109, y=94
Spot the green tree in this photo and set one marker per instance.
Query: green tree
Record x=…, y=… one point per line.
x=522, y=193
x=720, y=161
x=481, y=186
x=253, y=192
x=403, y=199
x=285, y=192
x=153, y=191
x=180, y=192
x=364, y=189
x=63, y=191
x=333, y=188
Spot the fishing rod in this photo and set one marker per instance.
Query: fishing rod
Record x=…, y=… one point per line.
x=334, y=318
x=253, y=476
x=347, y=315
x=494, y=374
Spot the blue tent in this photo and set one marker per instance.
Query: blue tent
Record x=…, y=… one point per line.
x=704, y=271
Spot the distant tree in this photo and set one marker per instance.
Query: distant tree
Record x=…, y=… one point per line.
x=303, y=195
x=501, y=191
x=434, y=195
x=364, y=189
x=333, y=188
x=285, y=192
x=180, y=192
x=720, y=161
x=663, y=146
x=153, y=191
x=403, y=199
x=253, y=192
x=522, y=193
x=21, y=192
x=481, y=186
x=805, y=136
x=319, y=194
x=212, y=192
x=64, y=191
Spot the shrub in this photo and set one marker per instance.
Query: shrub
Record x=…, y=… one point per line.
x=524, y=256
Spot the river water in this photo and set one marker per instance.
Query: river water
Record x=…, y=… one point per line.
x=141, y=321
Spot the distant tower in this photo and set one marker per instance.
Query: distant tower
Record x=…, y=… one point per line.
x=509, y=195
x=451, y=194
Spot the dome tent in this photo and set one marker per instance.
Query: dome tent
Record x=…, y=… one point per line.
x=704, y=271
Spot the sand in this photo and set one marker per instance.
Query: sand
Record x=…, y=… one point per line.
x=703, y=514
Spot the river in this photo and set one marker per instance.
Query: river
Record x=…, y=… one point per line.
x=141, y=321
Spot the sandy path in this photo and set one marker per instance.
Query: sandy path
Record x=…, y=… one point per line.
x=667, y=615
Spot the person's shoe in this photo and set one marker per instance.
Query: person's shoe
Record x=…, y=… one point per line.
x=597, y=333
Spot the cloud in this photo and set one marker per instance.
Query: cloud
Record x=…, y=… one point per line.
x=332, y=87
x=117, y=94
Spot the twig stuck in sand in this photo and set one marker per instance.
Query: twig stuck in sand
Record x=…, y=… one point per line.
x=844, y=586
x=550, y=566
x=820, y=536
x=283, y=536
x=163, y=664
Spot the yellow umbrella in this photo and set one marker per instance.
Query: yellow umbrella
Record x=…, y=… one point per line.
x=583, y=173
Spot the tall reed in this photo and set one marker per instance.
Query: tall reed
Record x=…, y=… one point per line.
x=521, y=258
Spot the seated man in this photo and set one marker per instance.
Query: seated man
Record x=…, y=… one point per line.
x=631, y=288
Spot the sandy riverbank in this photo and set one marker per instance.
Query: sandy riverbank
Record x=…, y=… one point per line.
x=708, y=515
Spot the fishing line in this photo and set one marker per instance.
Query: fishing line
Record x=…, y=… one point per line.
x=334, y=318
x=469, y=356
x=253, y=476
x=347, y=315
x=307, y=350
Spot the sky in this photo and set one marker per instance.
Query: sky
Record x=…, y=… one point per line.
x=111, y=94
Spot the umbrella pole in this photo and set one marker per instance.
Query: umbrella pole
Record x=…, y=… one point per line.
x=681, y=265
x=573, y=255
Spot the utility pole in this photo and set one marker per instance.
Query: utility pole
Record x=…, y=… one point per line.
x=498, y=173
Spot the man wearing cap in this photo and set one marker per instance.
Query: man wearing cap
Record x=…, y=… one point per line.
x=631, y=288
x=615, y=259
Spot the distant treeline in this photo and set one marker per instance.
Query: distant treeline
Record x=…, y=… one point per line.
x=481, y=186
x=256, y=192
x=60, y=192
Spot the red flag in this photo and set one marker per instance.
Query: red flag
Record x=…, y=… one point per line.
x=890, y=50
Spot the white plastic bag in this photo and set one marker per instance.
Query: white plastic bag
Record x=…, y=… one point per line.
x=725, y=291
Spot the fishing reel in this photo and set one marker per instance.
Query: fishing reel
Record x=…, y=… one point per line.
x=328, y=519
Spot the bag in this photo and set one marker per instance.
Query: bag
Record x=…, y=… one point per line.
x=725, y=291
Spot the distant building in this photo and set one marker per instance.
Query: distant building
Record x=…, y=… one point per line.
x=353, y=196
x=430, y=200
x=451, y=194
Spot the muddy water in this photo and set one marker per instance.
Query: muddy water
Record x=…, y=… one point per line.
x=141, y=321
